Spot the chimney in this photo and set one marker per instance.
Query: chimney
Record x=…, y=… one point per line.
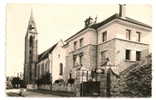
x=122, y=10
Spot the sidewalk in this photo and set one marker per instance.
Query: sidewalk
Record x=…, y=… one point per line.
x=12, y=92
x=57, y=93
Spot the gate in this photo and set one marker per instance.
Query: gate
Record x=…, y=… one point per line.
x=90, y=89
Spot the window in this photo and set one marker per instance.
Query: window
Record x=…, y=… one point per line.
x=104, y=36
x=38, y=71
x=128, y=53
x=61, y=69
x=138, y=36
x=46, y=67
x=30, y=73
x=74, y=60
x=128, y=34
x=81, y=42
x=42, y=68
x=138, y=55
x=103, y=57
x=81, y=58
x=31, y=41
x=75, y=45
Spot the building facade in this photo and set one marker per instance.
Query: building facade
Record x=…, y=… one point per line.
x=120, y=40
x=115, y=43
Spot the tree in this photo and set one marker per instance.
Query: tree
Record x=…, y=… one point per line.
x=139, y=81
x=15, y=82
x=136, y=81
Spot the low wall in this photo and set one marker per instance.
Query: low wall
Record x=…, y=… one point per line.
x=31, y=86
x=45, y=87
x=58, y=87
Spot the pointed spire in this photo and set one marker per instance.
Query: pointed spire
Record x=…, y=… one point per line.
x=32, y=15
x=32, y=24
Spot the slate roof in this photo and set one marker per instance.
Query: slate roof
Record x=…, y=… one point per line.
x=45, y=53
x=115, y=16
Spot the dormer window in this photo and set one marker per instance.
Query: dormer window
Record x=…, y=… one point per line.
x=88, y=21
x=128, y=34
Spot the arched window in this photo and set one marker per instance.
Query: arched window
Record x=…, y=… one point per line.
x=42, y=69
x=48, y=66
x=38, y=70
x=61, y=69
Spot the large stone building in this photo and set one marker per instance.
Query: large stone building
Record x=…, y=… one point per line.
x=116, y=42
x=119, y=39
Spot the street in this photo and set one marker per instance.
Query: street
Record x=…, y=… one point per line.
x=15, y=93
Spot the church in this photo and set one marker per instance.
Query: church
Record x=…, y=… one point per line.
x=115, y=43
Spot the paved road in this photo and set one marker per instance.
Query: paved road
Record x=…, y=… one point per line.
x=15, y=93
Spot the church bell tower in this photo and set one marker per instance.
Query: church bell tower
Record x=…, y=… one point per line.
x=31, y=57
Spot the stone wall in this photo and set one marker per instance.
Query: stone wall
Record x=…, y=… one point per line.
x=108, y=87
x=88, y=60
x=109, y=48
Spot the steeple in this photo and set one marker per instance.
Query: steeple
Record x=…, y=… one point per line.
x=31, y=16
x=31, y=51
x=32, y=24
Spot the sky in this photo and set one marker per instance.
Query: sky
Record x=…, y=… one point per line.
x=55, y=22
